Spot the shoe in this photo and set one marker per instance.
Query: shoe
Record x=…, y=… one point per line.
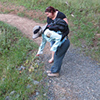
x=51, y=60
x=48, y=71
x=53, y=74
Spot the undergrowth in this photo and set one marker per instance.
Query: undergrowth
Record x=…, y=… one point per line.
x=19, y=68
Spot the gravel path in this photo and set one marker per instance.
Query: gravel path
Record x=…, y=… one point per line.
x=79, y=77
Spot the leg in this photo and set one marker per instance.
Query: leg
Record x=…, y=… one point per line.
x=59, y=55
x=52, y=56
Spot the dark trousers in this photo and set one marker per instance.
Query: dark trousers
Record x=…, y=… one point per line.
x=59, y=55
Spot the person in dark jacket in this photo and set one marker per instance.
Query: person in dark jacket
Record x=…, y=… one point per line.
x=59, y=25
x=52, y=14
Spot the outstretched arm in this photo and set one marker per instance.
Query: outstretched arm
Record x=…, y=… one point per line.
x=40, y=50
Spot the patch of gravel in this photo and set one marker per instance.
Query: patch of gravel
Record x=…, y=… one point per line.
x=80, y=75
x=79, y=78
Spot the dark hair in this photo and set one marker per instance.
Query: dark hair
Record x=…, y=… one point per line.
x=51, y=9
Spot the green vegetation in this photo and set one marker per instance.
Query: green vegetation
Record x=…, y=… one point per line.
x=83, y=16
x=20, y=73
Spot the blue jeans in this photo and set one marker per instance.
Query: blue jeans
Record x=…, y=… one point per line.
x=59, y=55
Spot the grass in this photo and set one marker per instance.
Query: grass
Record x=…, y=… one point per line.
x=18, y=66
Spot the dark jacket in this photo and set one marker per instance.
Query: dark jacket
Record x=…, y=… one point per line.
x=59, y=25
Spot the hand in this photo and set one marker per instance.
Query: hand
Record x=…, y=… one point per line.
x=37, y=55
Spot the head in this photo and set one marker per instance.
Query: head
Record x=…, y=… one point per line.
x=37, y=31
x=50, y=11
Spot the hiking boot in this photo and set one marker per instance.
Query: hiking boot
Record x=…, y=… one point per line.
x=53, y=74
x=48, y=71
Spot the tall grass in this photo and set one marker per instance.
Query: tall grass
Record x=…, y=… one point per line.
x=18, y=66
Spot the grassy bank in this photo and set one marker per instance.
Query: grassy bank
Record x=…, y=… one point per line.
x=21, y=73
x=83, y=16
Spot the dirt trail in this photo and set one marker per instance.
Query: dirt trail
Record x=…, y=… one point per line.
x=80, y=76
x=23, y=24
